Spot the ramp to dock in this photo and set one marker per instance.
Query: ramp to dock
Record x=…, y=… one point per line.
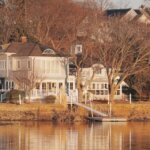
x=90, y=109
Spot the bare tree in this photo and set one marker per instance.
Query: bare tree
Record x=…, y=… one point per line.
x=56, y=27
x=146, y=3
x=27, y=79
x=12, y=21
x=123, y=50
x=140, y=83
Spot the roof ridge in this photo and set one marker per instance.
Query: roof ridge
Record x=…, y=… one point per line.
x=34, y=45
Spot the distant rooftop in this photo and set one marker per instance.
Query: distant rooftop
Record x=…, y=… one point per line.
x=117, y=12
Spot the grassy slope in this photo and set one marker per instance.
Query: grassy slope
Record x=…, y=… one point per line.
x=49, y=111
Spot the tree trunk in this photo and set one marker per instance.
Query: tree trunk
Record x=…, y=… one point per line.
x=111, y=101
x=79, y=86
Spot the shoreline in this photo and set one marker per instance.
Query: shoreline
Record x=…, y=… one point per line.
x=58, y=113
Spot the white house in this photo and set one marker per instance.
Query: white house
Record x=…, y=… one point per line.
x=48, y=72
x=97, y=84
x=41, y=64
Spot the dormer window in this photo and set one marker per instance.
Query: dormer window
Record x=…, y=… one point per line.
x=49, y=51
x=78, y=49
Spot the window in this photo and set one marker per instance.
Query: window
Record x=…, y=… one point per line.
x=71, y=85
x=44, y=86
x=97, y=86
x=37, y=85
x=98, y=71
x=93, y=85
x=118, y=92
x=106, y=86
x=43, y=66
x=84, y=73
x=52, y=66
x=13, y=85
x=106, y=92
x=102, y=92
x=49, y=51
x=78, y=49
x=7, y=85
x=97, y=92
x=102, y=86
x=49, y=86
x=2, y=64
x=18, y=64
x=60, y=85
x=55, y=67
x=53, y=85
x=29, y=64
x=48, y=66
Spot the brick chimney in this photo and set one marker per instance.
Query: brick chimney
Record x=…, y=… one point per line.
x=23, y=39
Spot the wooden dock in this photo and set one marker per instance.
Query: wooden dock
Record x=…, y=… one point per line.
x=97, y=119
x=100, y=119
x=114, y=119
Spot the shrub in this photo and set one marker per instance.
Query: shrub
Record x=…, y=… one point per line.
x=13, y=96
x=50, y=99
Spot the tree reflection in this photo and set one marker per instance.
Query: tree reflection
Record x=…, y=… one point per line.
x=48, y=136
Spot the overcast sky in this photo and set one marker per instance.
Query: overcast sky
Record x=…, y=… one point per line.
x=128, y=3
x=125, y=3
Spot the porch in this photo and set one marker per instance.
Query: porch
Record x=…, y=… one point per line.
x=46, y=88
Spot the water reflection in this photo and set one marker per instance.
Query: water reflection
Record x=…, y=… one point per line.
x=47, y=136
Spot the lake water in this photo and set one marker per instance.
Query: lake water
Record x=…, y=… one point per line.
x=96, y=136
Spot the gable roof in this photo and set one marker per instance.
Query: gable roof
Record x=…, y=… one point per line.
x=27, y=49
x=24, y=49
x=138, y=11
x=124, y=12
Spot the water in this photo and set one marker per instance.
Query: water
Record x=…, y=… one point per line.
x=99, y=136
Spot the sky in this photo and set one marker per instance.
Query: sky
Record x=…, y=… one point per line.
x=125, y=3
x=128, y=3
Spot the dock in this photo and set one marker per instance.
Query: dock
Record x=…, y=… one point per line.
x=114, y=119
x=100, y=119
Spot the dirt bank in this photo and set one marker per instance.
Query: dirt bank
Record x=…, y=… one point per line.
x=56, y=112
x=34, y=112
x=130, y=111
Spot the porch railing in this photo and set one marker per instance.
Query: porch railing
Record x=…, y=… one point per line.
x=42, y=93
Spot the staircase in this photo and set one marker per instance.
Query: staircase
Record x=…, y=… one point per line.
x=2, y=96
x=90, y=109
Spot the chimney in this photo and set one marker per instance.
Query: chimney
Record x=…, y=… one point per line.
x=23, y=39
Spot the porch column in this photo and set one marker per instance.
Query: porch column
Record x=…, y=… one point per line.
x=4, y=88
x=121, y=91
x=73, y=85
x=46, y=88
x=7, y=65
x=40, y=89
x=57, y=87
x=68, y=88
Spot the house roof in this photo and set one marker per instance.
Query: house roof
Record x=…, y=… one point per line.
x=116, y=12
x=138, y=11
x=2, y=3
x=28, y=49
x=123, y=12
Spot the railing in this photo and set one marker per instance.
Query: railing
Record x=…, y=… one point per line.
x=3, y=96
x=4, y=90
x=42, y=93
x=91, y=109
